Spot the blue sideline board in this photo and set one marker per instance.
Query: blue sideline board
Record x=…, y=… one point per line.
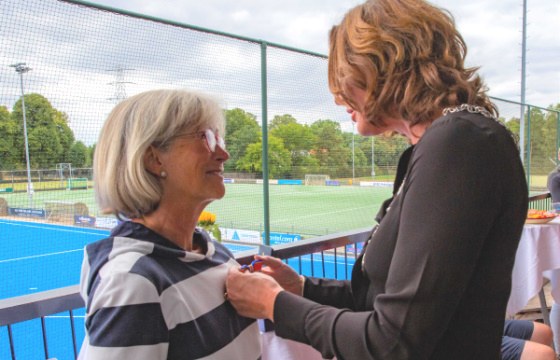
x=290, y=182
x=282, y=238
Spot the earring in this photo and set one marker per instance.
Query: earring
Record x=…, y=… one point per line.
x=163, y=174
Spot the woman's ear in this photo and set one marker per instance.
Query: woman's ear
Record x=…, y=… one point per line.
x=152, y=161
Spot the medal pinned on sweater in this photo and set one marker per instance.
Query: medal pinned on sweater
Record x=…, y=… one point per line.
x=256, y=265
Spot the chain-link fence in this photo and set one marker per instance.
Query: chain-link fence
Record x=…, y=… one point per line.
x=539, y=141
x=74, y=61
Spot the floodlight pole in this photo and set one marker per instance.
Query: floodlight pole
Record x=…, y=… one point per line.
x=372, y=158
x=353, y=171
x=523, y=65
x=22, y=68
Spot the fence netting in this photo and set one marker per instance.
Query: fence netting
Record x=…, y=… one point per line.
x=77, y=61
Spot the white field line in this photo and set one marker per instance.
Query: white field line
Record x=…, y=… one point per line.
x=321, y=214
x=64, y=316
x=39, y=256
x=52, y=228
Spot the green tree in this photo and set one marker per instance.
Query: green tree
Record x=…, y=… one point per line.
x=78, y=155
x=386, y=153
x=280, y=120
x=512, y=125
x=91, y=153
x=49, y=136
x=279, y=162
x=8, y=130
x=298, y=139
x=330, y=149
x=553, y=123
x=541, y=141
x=242, y=130
x=357, y=161
x=44, y=147
x=541, y=137
x=65, y=135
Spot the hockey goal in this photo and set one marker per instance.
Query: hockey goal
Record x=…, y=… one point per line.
x=316, y=179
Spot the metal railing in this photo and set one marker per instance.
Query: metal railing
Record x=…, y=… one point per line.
x=41, y=305
x=541, y=201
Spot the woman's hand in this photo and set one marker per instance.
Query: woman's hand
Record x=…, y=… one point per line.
x=252, y=294
x=282, y=273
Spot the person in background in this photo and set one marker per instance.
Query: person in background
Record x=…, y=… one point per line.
x=154, y=288
x=527, y=340
x=434, y=278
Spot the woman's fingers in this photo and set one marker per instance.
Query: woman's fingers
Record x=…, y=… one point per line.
x=270, y=261
x=252, y=294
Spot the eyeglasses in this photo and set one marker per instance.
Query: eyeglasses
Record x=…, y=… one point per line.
x=212, y=139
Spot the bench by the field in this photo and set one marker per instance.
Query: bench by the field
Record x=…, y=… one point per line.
x=3, y=207
x=64, y=211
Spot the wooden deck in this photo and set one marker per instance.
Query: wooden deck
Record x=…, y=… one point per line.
x=532, y=311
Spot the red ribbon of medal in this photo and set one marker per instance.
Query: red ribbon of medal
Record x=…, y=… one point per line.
x=255, y=265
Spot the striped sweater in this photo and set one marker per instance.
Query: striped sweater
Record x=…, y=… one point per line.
x=146, y=298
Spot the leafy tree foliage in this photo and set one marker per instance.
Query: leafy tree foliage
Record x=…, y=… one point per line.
x=279, y=161
x=542, y=138
x=299, y=140
x=357, y=163
x=242, y=130
x=91, y=153
x=280, y=120
x=79, y=155
x=49, y=136
x=386, y=151
x=44, y=147
x=294, y=149
x=8, y=130
x=330, y=149
x=65, y=135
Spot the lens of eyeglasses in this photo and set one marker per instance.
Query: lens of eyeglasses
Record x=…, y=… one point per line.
x=212, y=140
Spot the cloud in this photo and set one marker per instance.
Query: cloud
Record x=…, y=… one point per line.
x=75, y=51
x=492, y=32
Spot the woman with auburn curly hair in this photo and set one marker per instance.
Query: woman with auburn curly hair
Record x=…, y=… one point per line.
x=435, y=276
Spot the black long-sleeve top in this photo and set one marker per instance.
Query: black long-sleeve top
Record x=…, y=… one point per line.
x=434, y=280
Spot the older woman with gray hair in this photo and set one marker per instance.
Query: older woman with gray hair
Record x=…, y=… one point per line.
x=154, y=288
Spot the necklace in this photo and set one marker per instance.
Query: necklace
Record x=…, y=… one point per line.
x=474, y=109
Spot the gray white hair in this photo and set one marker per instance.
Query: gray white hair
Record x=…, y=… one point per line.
x=123, y=186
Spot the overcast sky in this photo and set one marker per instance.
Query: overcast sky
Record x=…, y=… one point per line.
x=492, y=30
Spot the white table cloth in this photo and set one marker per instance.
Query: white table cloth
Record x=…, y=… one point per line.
x=538, y=256
x=276, y=348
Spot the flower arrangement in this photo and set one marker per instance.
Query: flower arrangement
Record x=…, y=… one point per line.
x=207, y=221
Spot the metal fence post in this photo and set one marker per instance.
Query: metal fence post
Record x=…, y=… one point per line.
x=264, y=101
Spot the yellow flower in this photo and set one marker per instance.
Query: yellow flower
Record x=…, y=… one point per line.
x=207, y=221
x=206, y=218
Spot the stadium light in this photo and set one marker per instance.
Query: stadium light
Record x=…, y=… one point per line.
x=22, y=68
x=372, y=158
x=353, y=171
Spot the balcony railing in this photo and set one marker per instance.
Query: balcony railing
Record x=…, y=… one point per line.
x=541, y=201
x=41, y=305
x=44, y=304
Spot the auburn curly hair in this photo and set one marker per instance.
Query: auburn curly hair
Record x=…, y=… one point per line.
x=407, y=56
